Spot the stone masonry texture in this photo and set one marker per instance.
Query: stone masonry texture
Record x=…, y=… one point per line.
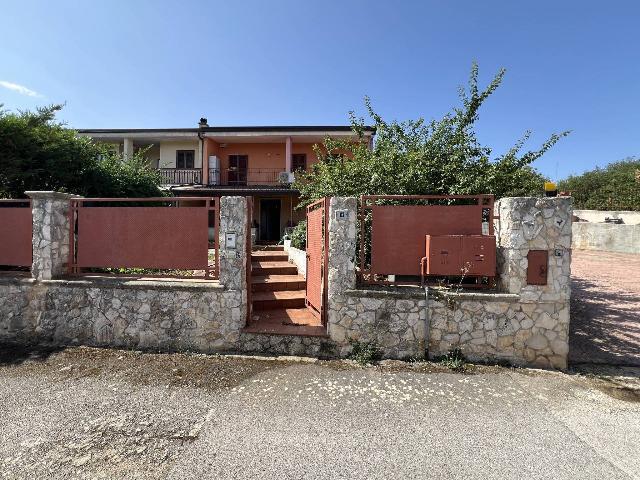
x=521, y=324
x=50, y=240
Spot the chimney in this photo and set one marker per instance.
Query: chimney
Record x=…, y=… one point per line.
x=203, y=123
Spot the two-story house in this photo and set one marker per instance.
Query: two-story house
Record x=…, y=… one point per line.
x=217, y=161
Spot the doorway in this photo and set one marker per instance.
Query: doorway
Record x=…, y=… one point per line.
x=270, y=220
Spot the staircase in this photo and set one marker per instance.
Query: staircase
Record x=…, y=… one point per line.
x=278, y=296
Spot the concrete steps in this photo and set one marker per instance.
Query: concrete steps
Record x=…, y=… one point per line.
x=278, y=297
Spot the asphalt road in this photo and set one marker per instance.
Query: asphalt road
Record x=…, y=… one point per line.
x=71, y=415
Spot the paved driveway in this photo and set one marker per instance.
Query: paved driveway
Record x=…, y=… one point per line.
x=605, y=308
x=85, y=413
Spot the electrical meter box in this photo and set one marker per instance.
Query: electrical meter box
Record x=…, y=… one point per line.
x=460, y=255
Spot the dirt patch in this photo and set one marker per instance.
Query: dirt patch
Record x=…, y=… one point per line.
x=605, y=308
x=209, y=372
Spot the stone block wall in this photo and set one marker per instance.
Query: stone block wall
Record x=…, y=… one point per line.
x=153, y=315
x=162, y=314
x=522, y=324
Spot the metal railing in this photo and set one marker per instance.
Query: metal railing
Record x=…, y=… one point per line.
x=244, y=176
x=180, y=176
x=222, y=177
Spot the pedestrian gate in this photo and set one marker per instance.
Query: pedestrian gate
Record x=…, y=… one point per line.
x=317, y=250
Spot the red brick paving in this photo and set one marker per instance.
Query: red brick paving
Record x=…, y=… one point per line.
x=605, y=308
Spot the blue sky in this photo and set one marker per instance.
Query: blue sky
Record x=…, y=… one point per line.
x=571, y=65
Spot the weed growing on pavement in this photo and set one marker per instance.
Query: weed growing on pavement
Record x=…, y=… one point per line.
x=453, y=360
x=365, y=353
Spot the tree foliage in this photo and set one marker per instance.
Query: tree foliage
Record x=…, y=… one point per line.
x=39, y=153
x=416, y=157
x=615, y=187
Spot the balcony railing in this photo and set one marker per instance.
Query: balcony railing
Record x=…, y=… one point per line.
x=180, y=176
x=244, y=176
x=223, y=177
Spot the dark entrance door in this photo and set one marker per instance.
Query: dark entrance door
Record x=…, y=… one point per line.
x=270, y=220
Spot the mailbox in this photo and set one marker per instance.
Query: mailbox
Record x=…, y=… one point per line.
x=456, y=255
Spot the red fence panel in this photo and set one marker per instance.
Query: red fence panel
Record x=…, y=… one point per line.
x=154, y=237
x=16, y=233
x=397, y=231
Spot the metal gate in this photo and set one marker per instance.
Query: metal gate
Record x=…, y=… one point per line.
x=248, y=249
x=317, y=240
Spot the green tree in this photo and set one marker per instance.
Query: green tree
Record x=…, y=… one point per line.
x=417, y=157
x=39, y=153
x=615, y=187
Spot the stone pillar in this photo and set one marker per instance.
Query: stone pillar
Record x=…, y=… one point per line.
x=341, y=259
x=528, y=223
x=50, y=239
x=538, y=224
x=233, y=261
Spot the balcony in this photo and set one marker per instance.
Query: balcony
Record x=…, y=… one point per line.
x=244, y=176
x=180, y=176
x=223, y=177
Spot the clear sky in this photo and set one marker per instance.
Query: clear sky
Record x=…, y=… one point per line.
x=571, y=65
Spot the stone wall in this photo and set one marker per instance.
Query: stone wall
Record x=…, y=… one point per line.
x=166, y=314
x=598, y=216
x=606, y=237
x=156, y=315
x=522, y=324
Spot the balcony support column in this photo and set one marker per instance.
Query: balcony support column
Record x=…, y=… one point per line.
x=287, y=154
x=205, y=161
x=128, y=148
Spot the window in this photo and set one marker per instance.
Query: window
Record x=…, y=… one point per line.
x=185, y=158
x=298, y=161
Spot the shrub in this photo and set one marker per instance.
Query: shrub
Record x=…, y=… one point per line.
x=39, y=153
x=299, y=235
x=420, y=157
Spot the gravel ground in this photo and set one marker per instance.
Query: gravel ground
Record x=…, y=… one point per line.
x=90, y=413
x=605, y=308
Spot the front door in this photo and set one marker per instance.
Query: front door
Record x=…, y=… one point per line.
x=270, y=220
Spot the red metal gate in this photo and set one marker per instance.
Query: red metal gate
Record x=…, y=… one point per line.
x=248, y=250
x=317, y=239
